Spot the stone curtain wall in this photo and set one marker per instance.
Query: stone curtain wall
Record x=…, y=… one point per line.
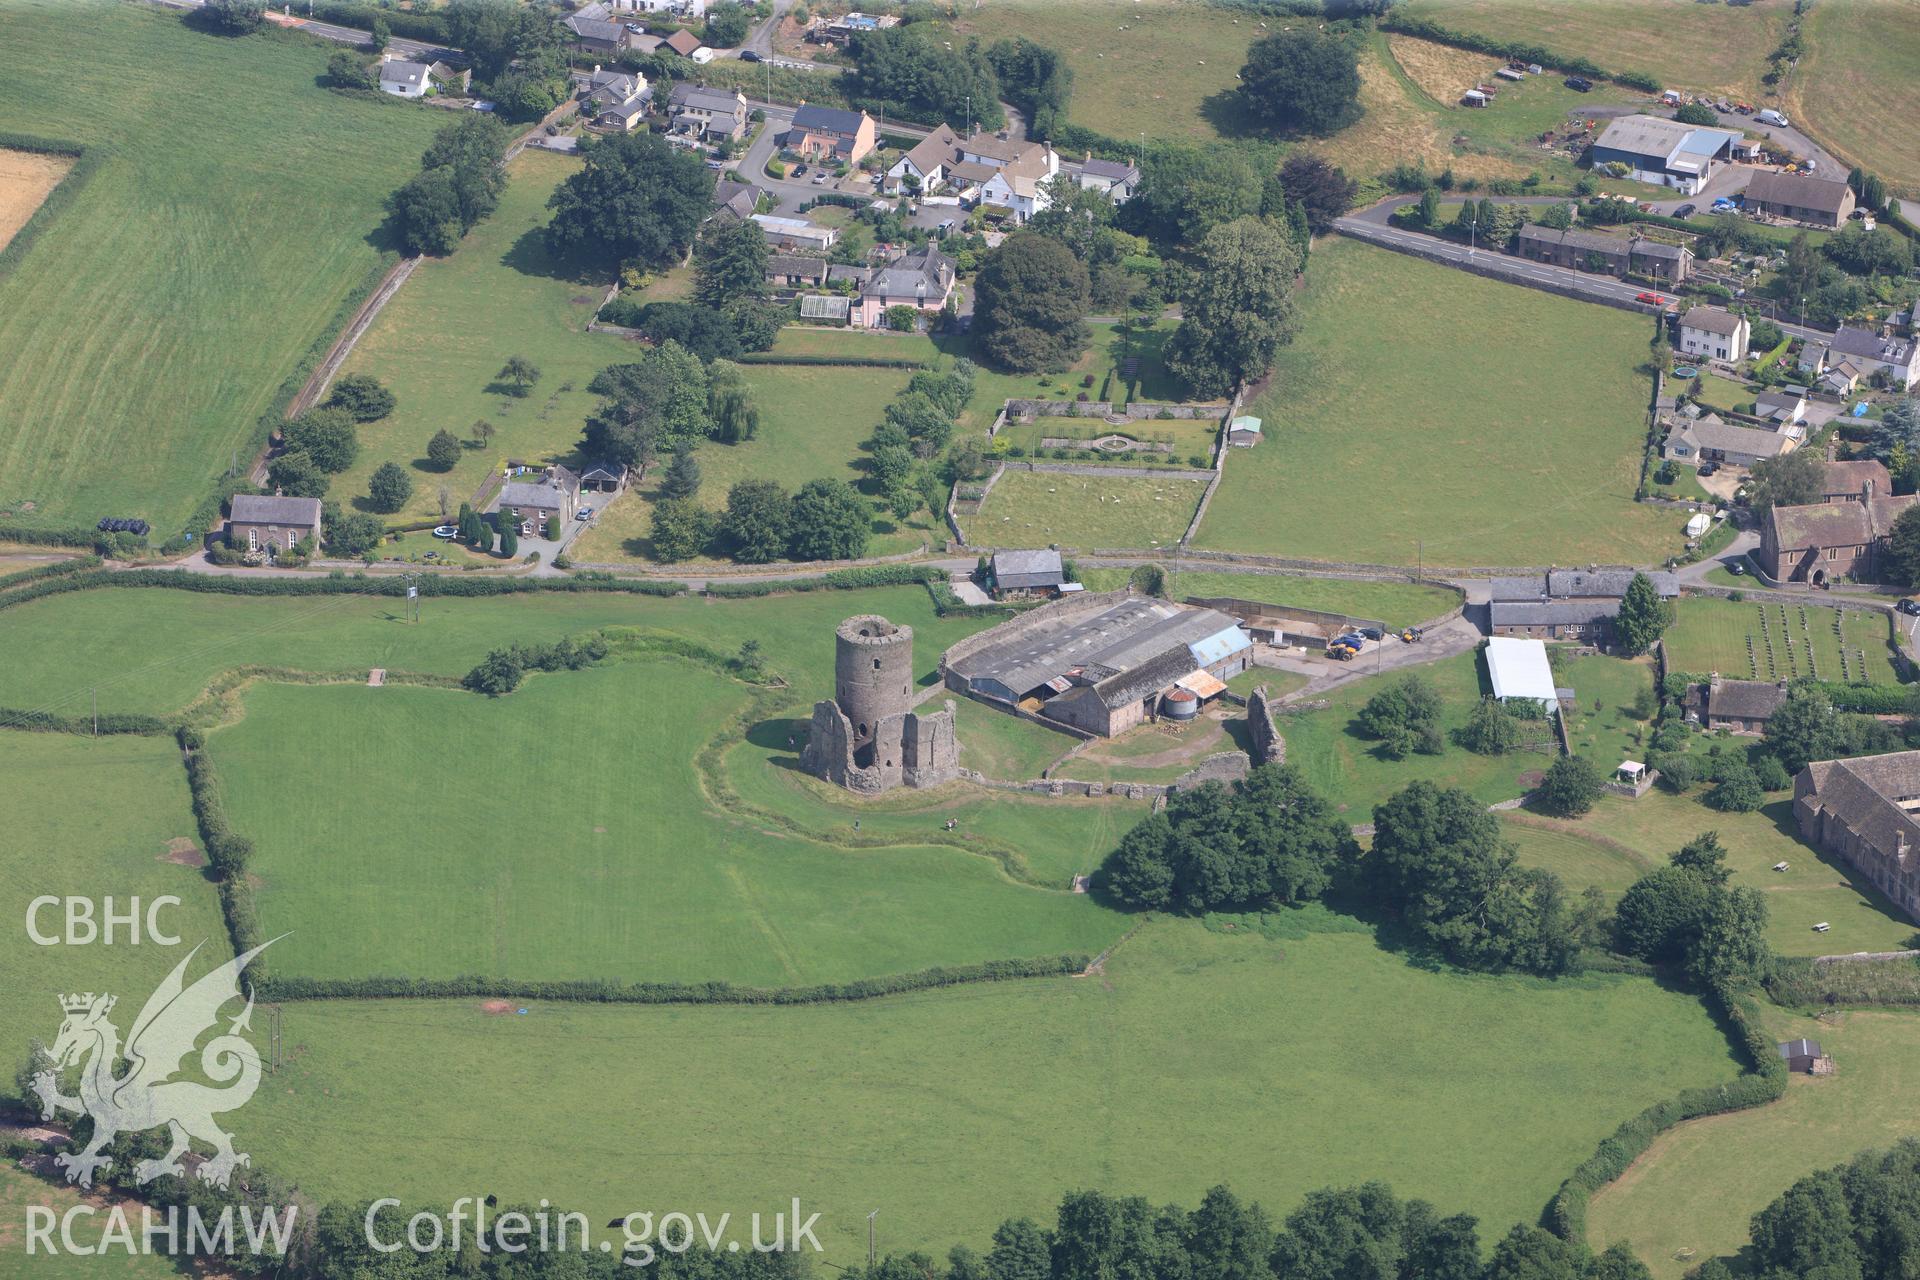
x=1268, y=746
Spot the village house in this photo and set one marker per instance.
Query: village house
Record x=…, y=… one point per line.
x=1822, y=541
x=405, y=79
x=922, y=279
x=1861, y=810
x=1711, y=438
x=734, y=199
x=599, y=35
x=713, y=115
x=616, y=100
x=1664, y=152
x=1873, y=353
x=985, y=169
x=1613, y=255
x=1018, y=575
x=1714, y=334
x=1823, y=202
x=555, y=495
x=1566, y=604
x=829, y=133
x=1117, y=180
x=1742, y=706
x=261, y=522
x=794, y=271
x=1104, y=663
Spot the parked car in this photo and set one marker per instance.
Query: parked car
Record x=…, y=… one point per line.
x=1686, y=211
x=1774, y=118
x=1373, y=633
x=819, y=178
x=748, y=55
x=1651, y=299
x=584, y=513
x=1579, y=84
x=1706, y=468
x=1724, y=205
x=1910, y=607
x=1738, y=568
x=800, y=171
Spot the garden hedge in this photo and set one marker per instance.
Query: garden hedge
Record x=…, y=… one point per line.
x=850, y=362
x=342, y=584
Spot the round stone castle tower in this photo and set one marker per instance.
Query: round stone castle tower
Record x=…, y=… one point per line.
x=873, y=676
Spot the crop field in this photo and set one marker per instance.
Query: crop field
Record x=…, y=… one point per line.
x=137, y=803
x=1001, y=1097
x=1692, y=46
x=599, y=862
x=1815, y=887
x=27, y=178
x=1033, y=508
x=1347, y=766
x=1157, y=69
x=1397, y=604
x=1855, y=90
x=1690, y=1197
x=1755, y=641
x=154, y=319
x=1535, y=430
x=440, y=343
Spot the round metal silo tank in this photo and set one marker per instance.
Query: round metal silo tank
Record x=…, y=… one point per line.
x=873, y=676
x=1179, y=704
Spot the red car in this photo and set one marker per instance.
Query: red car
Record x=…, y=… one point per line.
x=1651, y=299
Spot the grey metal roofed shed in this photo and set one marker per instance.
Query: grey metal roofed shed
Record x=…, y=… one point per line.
x=1020, y=570
x=1117, y=640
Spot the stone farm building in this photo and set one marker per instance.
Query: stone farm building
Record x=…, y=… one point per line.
x=1824, y=202
x=1822, y=541
x=1101, y=663
x=1861, y=811
x=554, y=495
x=1021, y=574
x=262, y=521
x=1566, y=604
x=1664, y=152
x=1613, y=255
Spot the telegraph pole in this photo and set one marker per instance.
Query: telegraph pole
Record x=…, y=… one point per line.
x=96, y=711
x=870, y=1255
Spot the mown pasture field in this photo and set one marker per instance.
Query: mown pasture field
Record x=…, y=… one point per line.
x=1692, y=1195
x=1690, y=46
x=1754, y=640
x=1855, y=92
x=1035, y=508
x=1520, y=447
x=235, y=208
x=998, y=1098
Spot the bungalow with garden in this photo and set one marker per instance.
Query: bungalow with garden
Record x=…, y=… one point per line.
x=1785, y=405
x=1714, y=334
x=260, y=522
x=405, y=79
x=1566, y=604
x=1742, y=706
x=1711, y=438
x=1823, y=202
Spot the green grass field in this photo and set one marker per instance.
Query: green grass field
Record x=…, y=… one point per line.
x=1522, y=447
x=1121, y=511
x=136, y=797
x=1395, y=603
x=1004, y=746
x=1814, y=888
x=1580, y=861
x=1719, y=635
x=1854, y=91
x=1693, y=46
x=65, y=646
x=444, y=337
x=951, y=1110
x=1698, y=1186
x=1347, y=766
x=20, y=1190
x=601, y=860
x=1138, y=68
x=1601, y=725
x=233, y=212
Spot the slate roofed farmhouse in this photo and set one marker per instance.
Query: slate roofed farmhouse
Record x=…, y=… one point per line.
x=1027, y=571
x=1862, y=811
x=1826, y=202
x=1742, y=706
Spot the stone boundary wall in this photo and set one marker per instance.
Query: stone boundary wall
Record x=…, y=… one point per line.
x=1138, y=411
x=771, y=569
x=1269, y=747
x=1221, y=766
x=1048, y=614
x=1021, y=713
x=1371, y=234
x=1107, y=469
x=1219, y=467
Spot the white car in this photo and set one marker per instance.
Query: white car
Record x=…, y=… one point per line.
x=585, y=513
x=448, y=531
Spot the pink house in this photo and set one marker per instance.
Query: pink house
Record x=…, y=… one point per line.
x=922, y=280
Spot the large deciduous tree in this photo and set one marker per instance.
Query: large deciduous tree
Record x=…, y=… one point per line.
x=656, y=402
x=1320, y=187
x=1790, y=480
x=759, y=521
x=831, y=521
x=326, y=435
x=1239, y=309
x=1304, y=79
x=1031, y=304
x=635, y=199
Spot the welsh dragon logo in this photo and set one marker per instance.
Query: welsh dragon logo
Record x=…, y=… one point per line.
x=148, y=1096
